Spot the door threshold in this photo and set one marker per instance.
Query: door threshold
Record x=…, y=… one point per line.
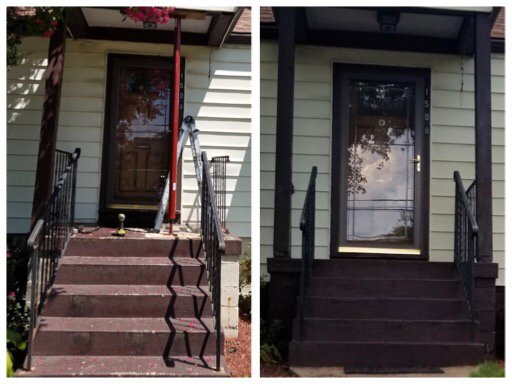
x=380, y=251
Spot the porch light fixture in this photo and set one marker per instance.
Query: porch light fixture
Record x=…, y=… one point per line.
x=388, y=20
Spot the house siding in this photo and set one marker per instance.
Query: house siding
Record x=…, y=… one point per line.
x=452, y=139
x=221, y=104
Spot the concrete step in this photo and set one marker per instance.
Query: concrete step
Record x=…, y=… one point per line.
x=383, y=269
x=371, y=287
x=384, y=330
x=384, y=354
x=142, y=247
x=386, y=308
x=86, y=336
x=131, y=270
x=81, y=300
x=124, y=366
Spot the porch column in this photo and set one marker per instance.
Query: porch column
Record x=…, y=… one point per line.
x=49, y=122
x=284, y=132
x=483, y=146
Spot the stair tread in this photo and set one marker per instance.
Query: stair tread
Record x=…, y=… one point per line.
x=442, y=321
x=131, y=260
x=368, y=298
x=454, y=343
x=132, y=290
x=125, y=324
x=406, y=279
x=122, y=366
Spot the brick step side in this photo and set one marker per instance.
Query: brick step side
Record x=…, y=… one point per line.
x=131, y=270
x=124, y=366
x=388, y=308
x=399, y=288
x=128, y=301
x=385, y=330
x=373, y=354
x=383, y=269
x=124, y=337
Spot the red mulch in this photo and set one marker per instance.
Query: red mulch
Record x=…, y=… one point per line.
x=238, y=350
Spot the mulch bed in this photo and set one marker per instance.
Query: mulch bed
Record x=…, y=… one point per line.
x=238, y=350
x=275, y=370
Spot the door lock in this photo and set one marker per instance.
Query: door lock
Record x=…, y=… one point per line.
x=417, y=161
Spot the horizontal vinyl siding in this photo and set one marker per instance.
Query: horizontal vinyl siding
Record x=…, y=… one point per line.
x=220, y=103
x=452, y=139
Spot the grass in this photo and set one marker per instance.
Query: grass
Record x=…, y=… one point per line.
x=488, y=369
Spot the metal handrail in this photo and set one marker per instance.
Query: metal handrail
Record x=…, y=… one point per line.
x=48, y=240
x=465, y=237
x=213, y=246
x=219, y=165
x=307, y=226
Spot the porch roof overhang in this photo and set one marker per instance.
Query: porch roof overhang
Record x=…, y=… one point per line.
x=417, y=29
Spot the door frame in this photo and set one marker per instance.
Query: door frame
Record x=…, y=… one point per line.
x=134, y=217
x=340, y=71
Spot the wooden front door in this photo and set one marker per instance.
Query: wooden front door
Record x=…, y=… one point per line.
x=381, y=118
x=136, y=148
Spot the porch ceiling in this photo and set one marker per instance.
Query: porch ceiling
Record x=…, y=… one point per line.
x=206, y=26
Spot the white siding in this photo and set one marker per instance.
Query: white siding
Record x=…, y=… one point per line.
x=452, y=139
x=220, y=103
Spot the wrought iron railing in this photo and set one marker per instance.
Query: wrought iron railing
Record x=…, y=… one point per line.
x=466, y=234
x=307, y=226
x=213, y=245
x=218, y=172
x=48, y=240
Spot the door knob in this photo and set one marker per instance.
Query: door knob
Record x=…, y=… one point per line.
x=417, y=161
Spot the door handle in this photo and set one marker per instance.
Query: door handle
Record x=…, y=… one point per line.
x=417, y=161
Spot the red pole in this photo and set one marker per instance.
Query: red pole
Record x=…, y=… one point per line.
x=175, y=121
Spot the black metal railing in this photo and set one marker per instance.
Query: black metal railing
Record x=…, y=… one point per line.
x=48, y=240
x=213, y=245
x=307, y=226
x=466, y=234
x=218, y=172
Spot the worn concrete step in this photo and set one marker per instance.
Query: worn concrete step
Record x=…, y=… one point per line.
x=127, y=301
x=142, y=247
x=384, y=269
x=384, y=354
x=103, y=336
x=385, y=330
x=378, y=287
x=386, y=308
x=131, y=270
x=124, y=366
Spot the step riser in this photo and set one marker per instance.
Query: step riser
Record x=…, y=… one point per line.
x=383, y=270
x=381, y=331
x=127, y=306
x=134, y=247
x=131, y=274
x=385, y=309
x=123, y=344
x=385, y=288
x=382, y=355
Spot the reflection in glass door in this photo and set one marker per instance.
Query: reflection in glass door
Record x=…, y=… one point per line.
x=381, y=164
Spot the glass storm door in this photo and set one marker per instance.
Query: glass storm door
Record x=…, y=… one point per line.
x=382, y=164
x=139, y=133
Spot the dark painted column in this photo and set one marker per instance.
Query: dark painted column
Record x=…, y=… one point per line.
x=485, y=271
x=284, y=132
x=49, y=122
x=483, y=146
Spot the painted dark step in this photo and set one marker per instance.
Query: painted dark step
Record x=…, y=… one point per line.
x=134, y=247
x=76, y=336
x=131, y=270
x=375, y=308
x=128, y=301
x=354, y=287
x=123, y=366
x=373, y=354
x=383, y=269
x=385, y=330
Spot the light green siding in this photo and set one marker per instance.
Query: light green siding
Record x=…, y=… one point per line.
x=220, y=102
x=452, y=139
